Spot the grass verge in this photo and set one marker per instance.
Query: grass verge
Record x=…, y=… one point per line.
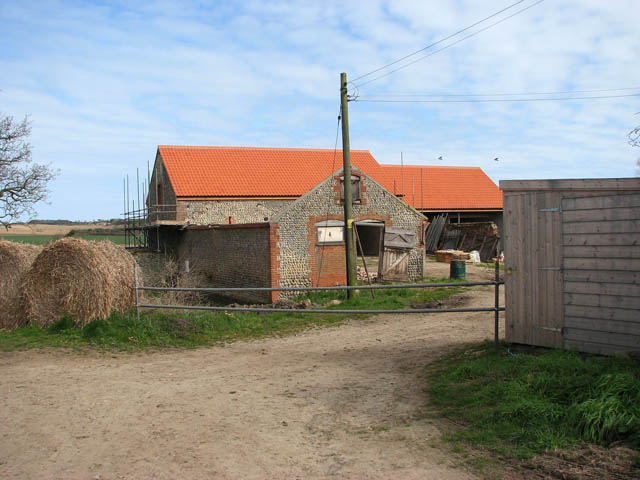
x=193, y=329
x=520, y=406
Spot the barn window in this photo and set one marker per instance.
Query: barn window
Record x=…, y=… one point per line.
x=160, y=195
x=330, y=232
x=355, y=189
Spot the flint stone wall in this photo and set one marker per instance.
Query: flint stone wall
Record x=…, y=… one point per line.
x=295, y=257
x=219, y=212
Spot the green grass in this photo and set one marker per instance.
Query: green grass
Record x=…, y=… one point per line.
x=524, y=405
x=386, y=299
x=193, y=329
x=44, y=239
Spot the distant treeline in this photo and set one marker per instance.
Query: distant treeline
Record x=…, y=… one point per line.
x=113, y=221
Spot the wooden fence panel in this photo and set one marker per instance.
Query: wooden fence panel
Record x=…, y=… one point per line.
x=601, y=272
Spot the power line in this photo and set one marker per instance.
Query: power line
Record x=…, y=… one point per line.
x=441, y=95
x=333, y=166
x=450, y=45
x=436, y=43
x=488, y=100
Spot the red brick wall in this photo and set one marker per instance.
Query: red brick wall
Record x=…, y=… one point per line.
x=363, y=189
x=328, y=262
x=274, y=251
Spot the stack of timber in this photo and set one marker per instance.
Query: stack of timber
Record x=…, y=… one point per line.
x=481, y=236
x=434, y=232
x=448, y=255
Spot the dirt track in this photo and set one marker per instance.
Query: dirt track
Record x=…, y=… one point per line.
x=329, y=403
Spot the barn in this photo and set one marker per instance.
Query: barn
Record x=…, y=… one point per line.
x=572, y=259
x=273, y=217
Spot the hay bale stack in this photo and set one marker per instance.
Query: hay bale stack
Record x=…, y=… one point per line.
x=85, y=280
x=15, y=260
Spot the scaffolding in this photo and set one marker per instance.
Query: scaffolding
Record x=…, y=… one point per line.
x=143, y=219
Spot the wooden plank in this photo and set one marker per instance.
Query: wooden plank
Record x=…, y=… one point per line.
x=601, y=215
x=587, y=251
x=597, y=348
x=557, y=284
x=602, y=313
x=600, y=202
x=572, y=185
x=620, y=340
x=606, y=276
x=529, y=207
x=599, y=325
x=609, y=301
x=601, y=264
x=604, y=239
x=628, y=227
x=513, y=238
x=598, y=288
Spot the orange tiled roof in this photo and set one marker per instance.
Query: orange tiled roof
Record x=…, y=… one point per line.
x=442, y=188
x=253, y=172
x=291, y=172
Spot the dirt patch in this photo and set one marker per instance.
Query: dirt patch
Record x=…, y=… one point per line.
x=455, y=301
x=342, y=402
x=583, y=462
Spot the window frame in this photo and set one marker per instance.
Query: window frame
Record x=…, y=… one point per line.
x=356, y=188
x=329, y=224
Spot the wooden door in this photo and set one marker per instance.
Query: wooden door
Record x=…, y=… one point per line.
x=394, y=262
x=533, y=268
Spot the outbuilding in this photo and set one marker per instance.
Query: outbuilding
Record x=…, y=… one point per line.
x=572, y=261
x=273, y=217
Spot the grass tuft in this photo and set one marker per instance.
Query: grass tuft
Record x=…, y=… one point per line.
x=521, y=406
x=64, y=323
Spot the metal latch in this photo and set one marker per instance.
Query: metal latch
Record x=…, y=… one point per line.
x=551, y=268
x=553, y=209
x=551, y=329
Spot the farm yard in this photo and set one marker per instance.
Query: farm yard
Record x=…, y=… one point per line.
x=346, y=401
x=341, y=401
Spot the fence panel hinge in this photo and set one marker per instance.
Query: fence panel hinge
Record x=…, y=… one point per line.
x=553, y=209
x=551, y=268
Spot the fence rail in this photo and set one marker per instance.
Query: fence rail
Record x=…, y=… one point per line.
x=496, y=308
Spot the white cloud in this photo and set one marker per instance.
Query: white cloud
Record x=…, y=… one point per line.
x=105, y=84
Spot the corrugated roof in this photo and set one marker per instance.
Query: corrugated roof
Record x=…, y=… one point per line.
x=291, y=172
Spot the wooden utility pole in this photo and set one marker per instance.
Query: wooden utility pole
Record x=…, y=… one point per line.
x=348, y=196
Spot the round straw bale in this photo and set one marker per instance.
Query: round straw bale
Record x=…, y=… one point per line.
x=15, y=260
x=85, y=280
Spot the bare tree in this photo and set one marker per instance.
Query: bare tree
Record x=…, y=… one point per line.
x=634, y=137
x=22, y=183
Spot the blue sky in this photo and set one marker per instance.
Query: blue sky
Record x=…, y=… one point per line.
x=105, y=82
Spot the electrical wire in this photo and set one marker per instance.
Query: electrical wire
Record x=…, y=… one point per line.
x=333, y=166
x=436, y=43
x=524, y=94
x=493, y=100
x=450, y=45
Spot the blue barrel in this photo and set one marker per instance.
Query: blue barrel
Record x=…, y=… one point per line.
x=457, y=270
